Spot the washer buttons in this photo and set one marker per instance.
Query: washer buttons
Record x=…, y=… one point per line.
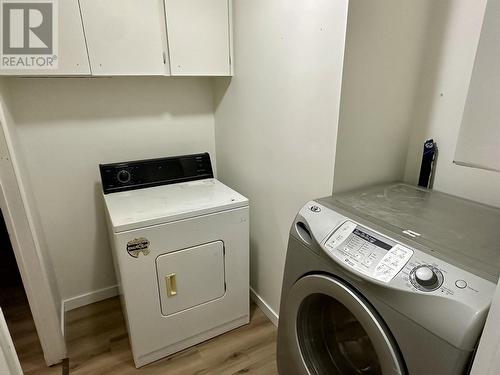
x=315, y=209
x=460, y=284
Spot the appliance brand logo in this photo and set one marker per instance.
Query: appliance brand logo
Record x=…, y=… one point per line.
x=137, y=246
x=29, y=34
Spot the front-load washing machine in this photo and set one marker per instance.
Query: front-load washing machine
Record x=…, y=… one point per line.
x=390, y=279
x=180, y=242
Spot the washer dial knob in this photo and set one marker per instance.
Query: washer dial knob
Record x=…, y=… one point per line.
x=426, y=278
x=123, y=176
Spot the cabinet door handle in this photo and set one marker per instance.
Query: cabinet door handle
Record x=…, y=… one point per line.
x=171, y=285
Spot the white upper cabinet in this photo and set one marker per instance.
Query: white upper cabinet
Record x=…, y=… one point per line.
x=134, y=37
x=199, y=37
x=71, y=56
x=125, y=37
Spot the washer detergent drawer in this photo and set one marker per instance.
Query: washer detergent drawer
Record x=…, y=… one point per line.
x=190, y=277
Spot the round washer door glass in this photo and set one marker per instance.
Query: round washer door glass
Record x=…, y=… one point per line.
x=338, y=332
x=331, y=338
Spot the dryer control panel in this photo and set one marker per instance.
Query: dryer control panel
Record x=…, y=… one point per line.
x=367, y=252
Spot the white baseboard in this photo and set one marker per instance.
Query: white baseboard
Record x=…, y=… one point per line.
x=264, y=306
x=91, y=297
x=104, y=293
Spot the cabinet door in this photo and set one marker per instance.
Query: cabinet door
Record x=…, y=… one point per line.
x=72, y=56
x=199, y=37
x=125, y=37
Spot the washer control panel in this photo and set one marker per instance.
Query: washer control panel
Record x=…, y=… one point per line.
x=367, y=252
x=392, y=264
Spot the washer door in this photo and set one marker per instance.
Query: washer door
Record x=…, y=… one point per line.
x=330, y=329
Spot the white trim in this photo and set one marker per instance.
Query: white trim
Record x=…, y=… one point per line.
x=91, y=297
x=487, y=360
x=9, y=362
x=264, y=306
x=63, y=320
x=42, y=298
x=231, y=37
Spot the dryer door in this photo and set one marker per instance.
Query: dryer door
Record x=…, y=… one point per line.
x=329, y=328
x=190, y=277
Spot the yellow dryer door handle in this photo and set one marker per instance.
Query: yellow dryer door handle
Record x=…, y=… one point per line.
x=171, y=285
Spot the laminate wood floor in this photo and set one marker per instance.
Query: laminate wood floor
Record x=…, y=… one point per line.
x=98, y=344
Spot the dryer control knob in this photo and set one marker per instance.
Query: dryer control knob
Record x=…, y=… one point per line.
x=123, y=176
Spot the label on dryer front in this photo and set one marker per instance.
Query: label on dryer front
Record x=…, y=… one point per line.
x=367, y=252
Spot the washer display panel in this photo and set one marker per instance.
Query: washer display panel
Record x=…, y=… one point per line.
x=367, y=252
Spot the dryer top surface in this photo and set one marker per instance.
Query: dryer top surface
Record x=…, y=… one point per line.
x=141, y=208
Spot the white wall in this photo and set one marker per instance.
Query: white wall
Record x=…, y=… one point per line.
x=447, y=69
x=479, y=138
x=66, y=127
x=276, y=121
x=381, y=73
x=407, y=70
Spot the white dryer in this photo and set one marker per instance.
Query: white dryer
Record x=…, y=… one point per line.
x=180, y=242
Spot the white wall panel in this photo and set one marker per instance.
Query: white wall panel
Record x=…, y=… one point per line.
x=66, y=127
x=479, y=138
x=385, y=40
x=446, y=72
x=276, y=120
